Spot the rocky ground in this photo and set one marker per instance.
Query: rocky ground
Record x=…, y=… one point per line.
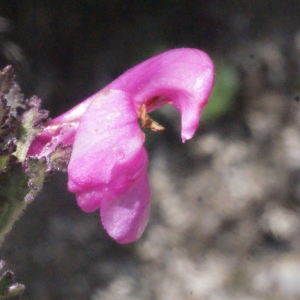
x=225, y=220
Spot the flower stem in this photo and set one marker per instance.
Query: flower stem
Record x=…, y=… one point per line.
x=14, y=189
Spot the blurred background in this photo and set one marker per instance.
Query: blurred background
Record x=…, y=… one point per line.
x=225, y=219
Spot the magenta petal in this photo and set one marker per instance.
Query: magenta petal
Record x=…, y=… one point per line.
x=108, y=153
x=108, y=165
x=125, y=217
x=182, y=77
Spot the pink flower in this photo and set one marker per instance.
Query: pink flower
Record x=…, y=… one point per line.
x=108, y=165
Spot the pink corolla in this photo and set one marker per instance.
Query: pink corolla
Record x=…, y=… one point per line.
x=108, y=164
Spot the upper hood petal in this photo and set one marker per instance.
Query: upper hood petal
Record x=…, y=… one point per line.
x=182, y=77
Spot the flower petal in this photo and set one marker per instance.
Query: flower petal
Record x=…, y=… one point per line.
x=182, y=77
x=108, y=153
x=125, y=217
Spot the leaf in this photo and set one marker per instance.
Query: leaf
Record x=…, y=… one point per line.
x=225, y=88
x=6, y=79
x=30, y=126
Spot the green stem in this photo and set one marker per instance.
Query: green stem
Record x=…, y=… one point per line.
x=13, y=190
